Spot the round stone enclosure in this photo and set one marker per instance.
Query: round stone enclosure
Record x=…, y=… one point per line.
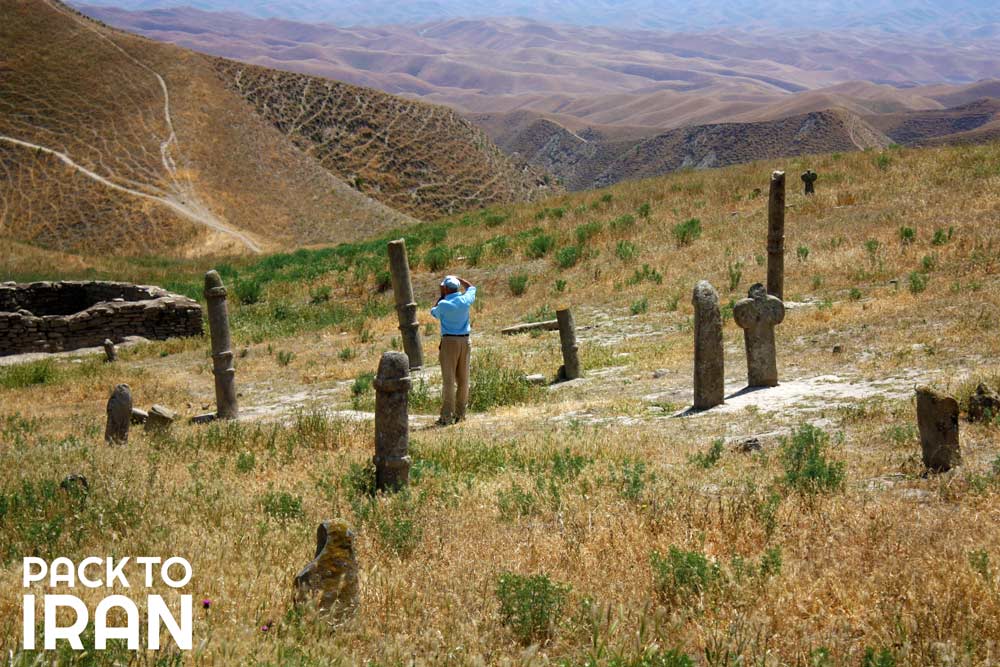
x=68, y=315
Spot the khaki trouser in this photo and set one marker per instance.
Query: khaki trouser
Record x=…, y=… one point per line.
x=454, y=353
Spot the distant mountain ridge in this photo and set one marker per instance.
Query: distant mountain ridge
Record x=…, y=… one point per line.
x=113, y=143
x=899, y=16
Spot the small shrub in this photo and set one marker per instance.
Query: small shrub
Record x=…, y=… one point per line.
x=942, y=237
x=882, y=658
x=918, y=282
x=587, y=231
x=568, y=256
x=883, y=161
x=347, y=354
x=530, y=605
x=682, y=574
x=979, y=561
x=560, y=285
x=807, y=469
x=626, y=250
x=854, y=294
x=474, y=255
x=438, y=258
x=645, y=274
x=606, y=198
x=285, y=357
x=540, y=246
x=639, y=307
x=872, y=246
x=735, y=271
x=907, y=235
x=710, y=458
x=362, y=384
x=622, y=222
x=631, y=477
x=248, y=292
x=515, y=502
x=494, y=219
x=802, y=252
x=643, y=210
x=687, y=232
x=518, y=283
x=282, y=506
x=928, y=263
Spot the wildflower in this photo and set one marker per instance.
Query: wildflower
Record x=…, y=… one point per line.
x=206, y=603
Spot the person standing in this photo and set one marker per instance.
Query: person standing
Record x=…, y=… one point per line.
x=452, y=310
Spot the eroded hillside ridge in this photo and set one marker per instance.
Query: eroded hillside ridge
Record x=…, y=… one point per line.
x=423, y=159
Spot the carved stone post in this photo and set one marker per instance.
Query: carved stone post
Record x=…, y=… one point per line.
x=119, y=415
x=406, y=305
x=332, y=575
x=776, y=236
x=757, y=315
x=709, y=362
x=110, y=351
x=937, y=418
x=809, y=178
x=392, y=422
x=570, y=369
x=222, y=354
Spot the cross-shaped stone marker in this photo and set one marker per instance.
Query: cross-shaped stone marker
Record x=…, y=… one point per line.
x=757, y=315
x=809, y=177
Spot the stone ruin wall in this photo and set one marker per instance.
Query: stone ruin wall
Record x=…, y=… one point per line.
x=68, y=315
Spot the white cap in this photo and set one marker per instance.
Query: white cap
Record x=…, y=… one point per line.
x=451, y=282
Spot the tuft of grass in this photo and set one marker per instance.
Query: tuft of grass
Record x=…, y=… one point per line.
x=518, y=283
x=687, y=232
x=711, y=457
x=680, y=575
x=568, y=256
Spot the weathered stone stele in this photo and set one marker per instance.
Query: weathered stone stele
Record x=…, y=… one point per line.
x=809, y=178
x=119, y=415
x=776, y=236
x=984, y=404
x=406, y=304
x=110, y=351
x=222, y=354
x=570, y=370
x=709, y=362
x=937, y=419
x=332, y=576
x=392, y=422
x=757, y=315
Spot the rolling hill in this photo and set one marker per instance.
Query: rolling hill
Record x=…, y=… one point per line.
x=113, y=143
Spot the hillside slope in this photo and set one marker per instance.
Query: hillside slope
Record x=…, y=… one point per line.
x=112, y=143
x=587, y=159
x=422, y=159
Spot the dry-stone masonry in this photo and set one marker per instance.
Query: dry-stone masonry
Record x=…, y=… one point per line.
x=392, y=422
x=68, y=315
x=937, y=418
x=406, y=304
x=709, y=363
x=332, y=576
x=119, y=415
x=757, y=315
x=776, y=236
x=570, y=369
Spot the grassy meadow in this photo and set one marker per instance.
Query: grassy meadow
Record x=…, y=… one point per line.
x=580, y=523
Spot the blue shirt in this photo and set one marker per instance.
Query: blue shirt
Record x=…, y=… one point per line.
x=453, y=311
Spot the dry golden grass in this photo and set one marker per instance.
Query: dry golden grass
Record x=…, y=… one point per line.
x=893, y=561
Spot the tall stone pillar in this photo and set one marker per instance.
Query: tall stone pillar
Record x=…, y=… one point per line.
x=392, y=422
x=776, y=236
x=709, y=362
x=222, y=353
x=567, y=338
x=406, y=304
x=937, y=419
